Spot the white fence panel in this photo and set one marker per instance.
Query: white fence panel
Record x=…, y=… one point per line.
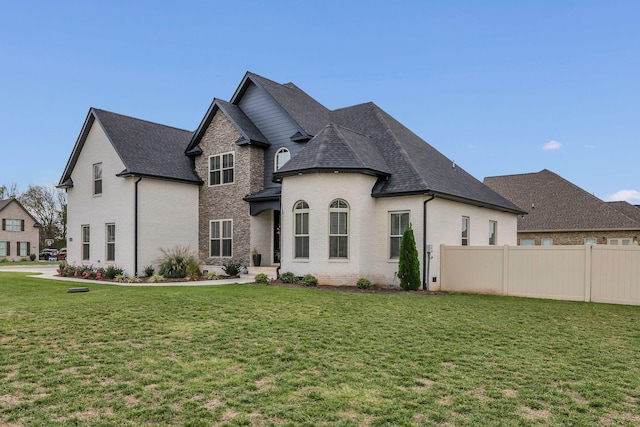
x=616, y=274
x=476, y=269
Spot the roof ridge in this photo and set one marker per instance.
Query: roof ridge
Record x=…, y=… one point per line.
x=140, y=120
x=396, y=143
x=350, y=130
x=349, y=147
x=517, y=174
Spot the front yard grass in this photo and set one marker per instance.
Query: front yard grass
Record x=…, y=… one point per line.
x=266, y=355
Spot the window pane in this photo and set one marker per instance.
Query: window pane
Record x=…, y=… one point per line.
x=227, y=161
x=97, y=187
x=333, y=223
x=228, y=176
x=226, y=229
x=342, y=223
x=215, y=230
x=214, y=178
x=342, y=246
x=97, y=171
x=214, y=163
x=226, y=247
x=111, y=252
x=395, y=247
x=215, y=248
x=395, y=224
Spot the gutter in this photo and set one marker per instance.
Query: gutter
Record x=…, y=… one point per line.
x=425, y=261
x=135, y=230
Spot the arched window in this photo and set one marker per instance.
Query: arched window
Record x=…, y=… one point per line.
x=301, y=229
x=339, y=229
x=282, y=156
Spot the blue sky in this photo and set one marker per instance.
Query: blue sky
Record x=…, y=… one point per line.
x=500, y=87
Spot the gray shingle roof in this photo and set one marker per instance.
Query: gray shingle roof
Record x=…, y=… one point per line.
x=336, y=148
x=632, y=211
x=4, y=203
x=145, y=148
x=555, y=204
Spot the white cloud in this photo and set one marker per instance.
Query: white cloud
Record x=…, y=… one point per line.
x=631, y=196
x=551, y=145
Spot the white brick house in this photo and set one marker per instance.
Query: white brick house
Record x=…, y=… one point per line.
x=315, y=191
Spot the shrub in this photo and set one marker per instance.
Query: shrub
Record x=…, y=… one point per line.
x=32, y=257
x=409, y=265
x=232, y=268
x=112, y=271
x=156, y=278
x=173, y=262
x=5, y=259
x=193, y=269
x=288, y=277
x=212, y=275
x=363, y=283
x=120, y=278
x=149, y=270
x=133, y=280
x=23, y=259
x=310, y=280
x=262, y=278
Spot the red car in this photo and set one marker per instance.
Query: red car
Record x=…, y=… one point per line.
x=62, y=254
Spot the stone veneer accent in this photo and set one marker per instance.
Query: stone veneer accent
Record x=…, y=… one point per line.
x=226, y=201
x=577, y=237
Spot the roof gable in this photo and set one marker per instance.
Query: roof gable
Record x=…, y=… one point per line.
x=145, y=148
x=6, y=202
x=557, y=204
x=626, y=208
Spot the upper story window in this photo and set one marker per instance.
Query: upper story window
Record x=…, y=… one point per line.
x=493, y=232
x=282, y=156
x=97, y=179
x=399, y=221
x=221, y=169
x=301, y=229
x=338, y=229
x=12, y=224
x=464, y=241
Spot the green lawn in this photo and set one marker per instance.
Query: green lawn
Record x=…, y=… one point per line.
x=265, y=355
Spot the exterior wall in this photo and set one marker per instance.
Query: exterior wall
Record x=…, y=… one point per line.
x=114, y=205
x=226, y=201
x=370, y=228
x=262, y=236
x=577, y=237
x=596, y=273
x=31, y=233
x=274, y=124
x=167, y=217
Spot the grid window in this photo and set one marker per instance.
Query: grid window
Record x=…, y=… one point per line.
x=282, y=156
x=221, y=169
x=86, y=235
x=3, y=248
x=13, y=224
x=23, y=248
x=301, y=230
x=221, y=236
x=527, y=242
x=465, y=231
x=111, y=242
x=546, y=241
x=97, y=179
x=399, y=221
x=493, y=232
x=338, y=229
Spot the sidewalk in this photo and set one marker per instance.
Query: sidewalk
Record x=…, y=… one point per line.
x=50, y=272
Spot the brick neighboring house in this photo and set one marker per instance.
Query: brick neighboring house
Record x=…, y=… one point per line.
x=20, y=232
x=561, y=213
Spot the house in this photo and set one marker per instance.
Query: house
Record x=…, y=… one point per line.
x=561, y=213
x=131, y=191
x=20, y=232
x=313, y=190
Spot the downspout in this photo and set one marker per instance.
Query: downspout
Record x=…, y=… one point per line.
x=135, y=230
x=425, y=261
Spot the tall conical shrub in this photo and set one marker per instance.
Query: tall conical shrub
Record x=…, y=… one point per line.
x=409, y=268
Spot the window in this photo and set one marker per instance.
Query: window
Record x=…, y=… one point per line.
x=493, y=232
x=85, y=242
x=301, y=229
x=221, y=235
x=23, y=248
x=465, y=231
x=282, y=156
x=620, y=241
x=547, y=241
x=527, y=242
x=399, y=221
x=221, y=169
x=97, y=179
x=338, y=229
x=110, y=238
x=590, y=240
x=13, y=224
x=4, y=248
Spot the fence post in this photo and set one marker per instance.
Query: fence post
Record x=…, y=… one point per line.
x=588, y=254
x=505, y=270
x=443, y=264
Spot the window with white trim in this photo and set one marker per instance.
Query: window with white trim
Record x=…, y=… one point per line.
x=493, y=233
x=301, y=229
x=398, y=223
x=464, y=240
x=282, y=156
x=620, y=241
x=13, y=224
x=221, y=169
x=221, y=238
x=546, y=241
x=339, y=229
x=97, y=179
x=110, y=239
x=86, y=242
x=3, y=249
x=527, y=242
x=591, y=240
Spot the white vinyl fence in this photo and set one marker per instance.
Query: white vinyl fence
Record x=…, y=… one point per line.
x=596, y=273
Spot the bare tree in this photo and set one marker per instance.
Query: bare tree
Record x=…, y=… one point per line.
x=48, y=206
x=9, y=192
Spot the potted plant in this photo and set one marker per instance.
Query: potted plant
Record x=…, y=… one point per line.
x=257, y=257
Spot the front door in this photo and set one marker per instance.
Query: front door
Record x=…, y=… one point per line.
x=276, y=237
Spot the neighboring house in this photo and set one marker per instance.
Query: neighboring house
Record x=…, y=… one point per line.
x=131, y=191
x=20, y=232
x=561, y=213
x=324, y=192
